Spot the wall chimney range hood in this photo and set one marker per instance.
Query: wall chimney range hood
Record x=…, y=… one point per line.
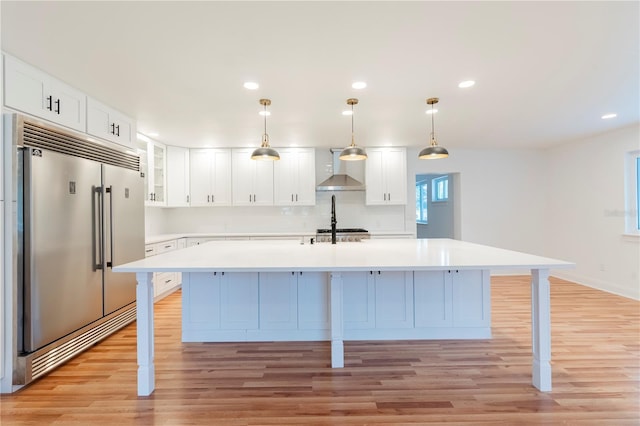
x=339, y=181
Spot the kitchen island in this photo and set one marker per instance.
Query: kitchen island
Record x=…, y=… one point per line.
x=391, y=289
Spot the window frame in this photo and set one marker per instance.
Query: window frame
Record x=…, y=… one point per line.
x=441, y=182
x=423, y=218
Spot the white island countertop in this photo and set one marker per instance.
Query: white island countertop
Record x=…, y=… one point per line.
x=408, y=255
x=383, y=255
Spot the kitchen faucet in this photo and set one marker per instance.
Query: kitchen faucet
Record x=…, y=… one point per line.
x=333, y=219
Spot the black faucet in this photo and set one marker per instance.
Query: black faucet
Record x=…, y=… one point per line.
x=333, y=219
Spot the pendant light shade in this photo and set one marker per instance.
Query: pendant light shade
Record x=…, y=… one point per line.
x=433, y=151
x=353, y=152
x=265, y=152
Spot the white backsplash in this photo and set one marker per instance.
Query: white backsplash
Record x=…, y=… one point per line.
x=351, y=212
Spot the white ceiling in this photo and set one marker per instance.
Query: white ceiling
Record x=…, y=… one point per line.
x=546, y=71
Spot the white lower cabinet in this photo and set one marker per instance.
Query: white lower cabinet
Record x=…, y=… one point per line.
x=278, y=301
x=452, y=298
x=238, y=300
x=294, y=305
x=375, y=299
x=164, y=283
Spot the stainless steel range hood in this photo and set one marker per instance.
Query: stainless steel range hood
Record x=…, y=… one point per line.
x=339, y=181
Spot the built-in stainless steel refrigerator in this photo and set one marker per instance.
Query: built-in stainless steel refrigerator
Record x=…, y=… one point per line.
x=80, y=211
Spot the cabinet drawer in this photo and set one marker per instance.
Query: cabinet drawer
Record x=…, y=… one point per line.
x=166, y=246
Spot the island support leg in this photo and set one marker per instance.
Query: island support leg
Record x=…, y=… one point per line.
x=144, y=312
x=337, y=327
x=541, y=329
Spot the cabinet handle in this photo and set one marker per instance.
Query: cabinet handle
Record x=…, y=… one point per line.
x=58, y=106
x=118, y=130
x=50, y=105
x=384, y=195
x=167, y=281
x=389, y=196
x=187, y=198
x=113, y=129
x=296, y=197
x=148, y=250
x=213, y=198
x=249, y=197
x=292, y=198
x=169, y=246
x=208, y=197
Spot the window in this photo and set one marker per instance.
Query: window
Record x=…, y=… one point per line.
x=421, y=201
x=632, y=193
x=440, y=189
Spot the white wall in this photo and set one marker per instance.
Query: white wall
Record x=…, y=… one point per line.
x=585, y=185
x=501, y=196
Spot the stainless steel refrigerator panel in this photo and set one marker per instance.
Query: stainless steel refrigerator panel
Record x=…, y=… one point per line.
x=60, y=239
x=124, y=233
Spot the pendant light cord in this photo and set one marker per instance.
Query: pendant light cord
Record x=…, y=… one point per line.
x=352, y=138
x=433, y=130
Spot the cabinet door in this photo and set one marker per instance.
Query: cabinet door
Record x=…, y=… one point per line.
x=395, y=175
x=471, y=294
x=70, y=105
x=432, y=292
x=294, y=177
x=34, y=92
x=201, y=306
x=221, y=177
x=107, y=123
x=278, y=301
x=374, y=175
x=306, y=177
x=177, y=176
x=285, y=178
x=394, y=299
x=386, y=176
x=155, y=176
x=359, y=300
x=239, y=301
x=252, y=180
x=200, y=177
x=313, y=301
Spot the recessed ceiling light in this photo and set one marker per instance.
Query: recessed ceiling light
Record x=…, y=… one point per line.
x=251, y=85
x=431, y=111
x=267, y=113
x=466, y=83
x=607, y=116
x=347, y=112
x=359, y=85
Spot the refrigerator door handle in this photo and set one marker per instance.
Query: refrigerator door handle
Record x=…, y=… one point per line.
x=109, y=191
x=97, y=209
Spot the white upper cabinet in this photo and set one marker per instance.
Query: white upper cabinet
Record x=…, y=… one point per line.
x=386, y=176
x=210, y=177
x=294, y=177
x=34, y=92
x=155, y=176
x=252, y=179
x=107, y=123
x=177, y=176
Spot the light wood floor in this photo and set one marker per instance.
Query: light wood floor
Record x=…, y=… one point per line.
x=596, y=375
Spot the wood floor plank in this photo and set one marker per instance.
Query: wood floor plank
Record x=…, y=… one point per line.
x=595, y=360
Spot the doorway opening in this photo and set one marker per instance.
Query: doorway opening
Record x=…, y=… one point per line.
x=438, y=205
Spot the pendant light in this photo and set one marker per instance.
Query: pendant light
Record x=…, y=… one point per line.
x=353, y=152
x=433, y=151
x=265, y=152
